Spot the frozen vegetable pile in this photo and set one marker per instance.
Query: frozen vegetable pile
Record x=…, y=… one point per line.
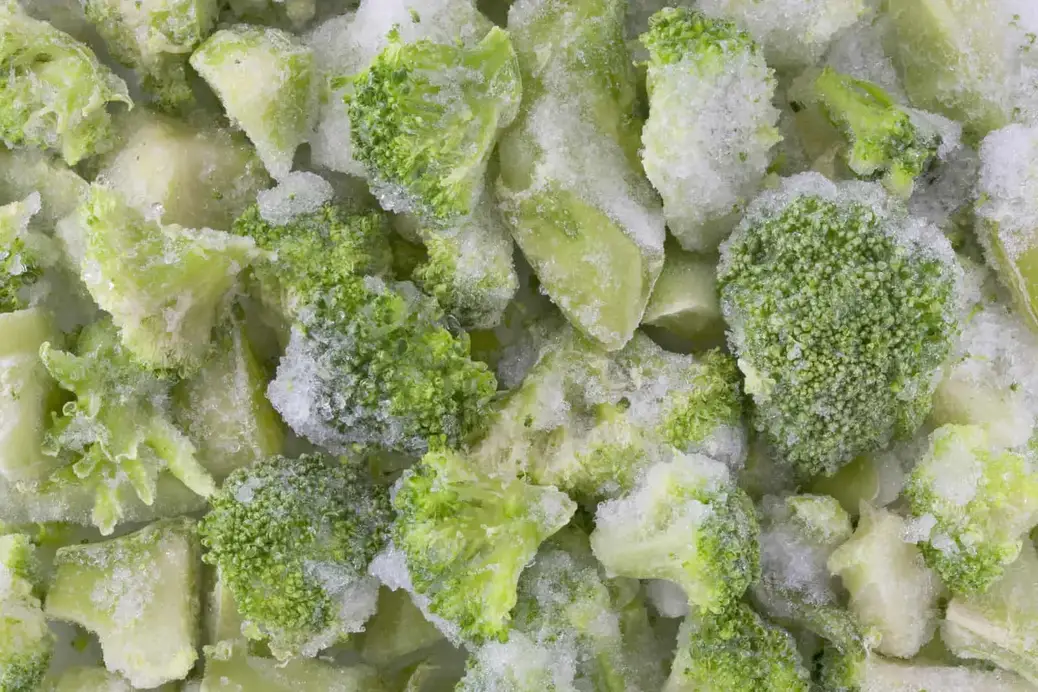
x=519, y=345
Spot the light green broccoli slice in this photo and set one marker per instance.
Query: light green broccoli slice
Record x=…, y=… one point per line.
x=841, y=308
x=164, y=285
x=686, y=522
x=711, y=123
x=27, y=395
x=139, y=594
x=26, y=642
x=92, y=679
x=979, y=503
x=229, y=667
x=25, y=171
x=466, y=537
x=223, y=408
x=1000, y=626
x=398, y=633
x=879, y=674
x=155, y=37
x=55, y=92
x=594, y=242
x=369, y=361
x=115, y=436
x=198, y=177
x=24, y=254
x=733, y=651
x=277, y=113
x=685, y=303
x=292, y=539
x=424, y=118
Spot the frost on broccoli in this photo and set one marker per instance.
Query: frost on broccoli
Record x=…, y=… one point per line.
x=884, y=141
x=115, y=436
x=424, y=118
x=980, y=502
x=711, y=123
x=155, y=38
x=25, y=171
x=276, y=112
x=733, y=651
x=139, y=595
x=841, y=308
x=518, y=665
x=26, y=642
x=594, y=242
x=23, y=255
x=164, y=285
x=55, y=92
x=686, y=522
x=588, y=421
x=369, y=361
x=467, y=536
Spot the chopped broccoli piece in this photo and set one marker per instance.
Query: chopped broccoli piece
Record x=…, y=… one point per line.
x=733, y=651
x=139, y=595
x=879, y=674
x=23, y=255
x=117, y=431
x=466, y=537
x=230, y=668
x=156, y=38
x=517, y=665
x=711, y=123
x=55, y=92
x=25, y=171
x=397, y=633
x=841, y=308
x=424, y=118
x=979, y=503
x=685, y=302
x=687, y=522
x=26, y=643
x=368, y=361
x=292, y=539
x=277, y=112
x=91, y=679
x=164, y=285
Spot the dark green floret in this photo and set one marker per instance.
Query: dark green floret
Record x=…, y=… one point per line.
x=715, y=399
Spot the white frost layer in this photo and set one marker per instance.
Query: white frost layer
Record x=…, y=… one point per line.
x=296, y=194
x=1008, y=188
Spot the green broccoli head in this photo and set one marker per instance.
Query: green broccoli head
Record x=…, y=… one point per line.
x=733, y=651
x=424, y=118
x=981, y=502
x=292, y=539
x=840, y=308
x=885, y=141
x=368, y=361
x=55, y=92
x=165, y=286
x=116, y=434
x=26, y=642
x=686, y=522
x=466, y=537
x=23, y=254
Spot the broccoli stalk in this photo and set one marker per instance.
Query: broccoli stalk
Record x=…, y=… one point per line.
x=26, y=642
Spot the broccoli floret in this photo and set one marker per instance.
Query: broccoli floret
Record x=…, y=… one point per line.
x=54, y=92
x=467, y=536
x=292, y=539
x=733, y=651
x=116, y=436
x=26, y=643
x=23, y=255
x=369, y=361
x=840, y=308
x=424, y=118
x=156, y=38
x=687, y=522
x=979, y=503
x=164, y=285
x=517, y=665
x=277, y=113
x=139, y=594
x=711, y=123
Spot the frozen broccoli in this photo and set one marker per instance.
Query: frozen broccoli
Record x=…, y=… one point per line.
x=978, y=502
x=297, y=12
x=687, y=522
x=518, y=665
x=25, y=171
x=685, y=303
x=398, y=633
x=424, y=118
x=711, y=123
x=26, y=643
x=466, y=537
x=277, y=112
x=292, y=539
x=155, y=38
x=880, y=674
x=369, y=360
x=841, y=308
x=55, y=92
x=116, y=435
x=229, y=667
x=595, y=242
x=139, y=594
x=23, y=255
